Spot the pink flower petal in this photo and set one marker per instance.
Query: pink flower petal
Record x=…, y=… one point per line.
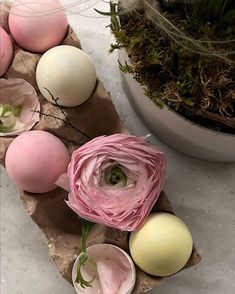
x=20, y=92
x=63, y=182
x=112, y=273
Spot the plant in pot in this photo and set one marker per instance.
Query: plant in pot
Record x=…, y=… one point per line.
x=177, y=59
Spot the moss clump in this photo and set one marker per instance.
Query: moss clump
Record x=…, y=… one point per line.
x=198, y=85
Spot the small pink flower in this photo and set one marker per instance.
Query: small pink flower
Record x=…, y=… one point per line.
x=116, y=180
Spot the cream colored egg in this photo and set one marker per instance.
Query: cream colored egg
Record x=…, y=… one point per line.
x=162, y=246
x=68, y=73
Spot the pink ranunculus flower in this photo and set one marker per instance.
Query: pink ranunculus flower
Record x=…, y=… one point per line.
x=115, y=180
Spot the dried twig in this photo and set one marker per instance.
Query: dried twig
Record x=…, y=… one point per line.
x=58, y=118
x=66, y=119
x=227, y=121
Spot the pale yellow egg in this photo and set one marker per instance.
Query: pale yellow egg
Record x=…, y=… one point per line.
x=68, y=74
x=162, y=246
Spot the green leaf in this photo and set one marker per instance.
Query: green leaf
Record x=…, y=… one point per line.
x=113, y=10
x=7, y=121
x=108, y=13
x=229, y=16
x=8, y=116
x=113, y=14
x=125, y=68
x=4, y=108
x=188, y=101
x=5, y=129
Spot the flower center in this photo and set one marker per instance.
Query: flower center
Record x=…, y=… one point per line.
x=8, y=116
x=115, y=175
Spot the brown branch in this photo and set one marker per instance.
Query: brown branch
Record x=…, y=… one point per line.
x=227, y=121
x=66, y=119
x=61, y=119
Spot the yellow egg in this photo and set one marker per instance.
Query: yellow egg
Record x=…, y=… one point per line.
x=68, y=73
x=162, y=246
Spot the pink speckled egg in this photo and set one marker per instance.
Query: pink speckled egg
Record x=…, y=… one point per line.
x=6, y=51
x=35, y=160
x=37, y=25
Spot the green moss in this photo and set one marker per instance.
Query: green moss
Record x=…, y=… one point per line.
x=174, y=74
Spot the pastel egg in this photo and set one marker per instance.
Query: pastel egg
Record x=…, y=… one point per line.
x=37, y=25
x=6, y=51
x=35, y=160
x=162, y=246
x=67, y=73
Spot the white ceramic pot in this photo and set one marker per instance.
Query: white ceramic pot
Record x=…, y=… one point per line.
x=108, y=253
x=175, y=130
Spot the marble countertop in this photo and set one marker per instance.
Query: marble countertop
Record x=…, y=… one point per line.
x=202, y=193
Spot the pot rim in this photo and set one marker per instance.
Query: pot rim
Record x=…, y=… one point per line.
x=122, y=52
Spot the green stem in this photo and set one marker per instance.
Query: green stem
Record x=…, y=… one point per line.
x=83, y=258
x=86, y=226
